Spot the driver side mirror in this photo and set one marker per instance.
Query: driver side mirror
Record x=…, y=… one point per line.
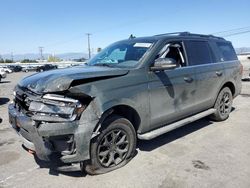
x=164, y=64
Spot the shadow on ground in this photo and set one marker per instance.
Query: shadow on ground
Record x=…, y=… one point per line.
x=4, y=82
x=142, y=145
x=52, y=167
x=149, y=145
x=4, y=100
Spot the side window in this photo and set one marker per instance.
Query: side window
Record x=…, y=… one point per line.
x=227, y=51
x=175, y=51
x=198, y=52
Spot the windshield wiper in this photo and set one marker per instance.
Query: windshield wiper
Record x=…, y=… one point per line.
x=103, y=64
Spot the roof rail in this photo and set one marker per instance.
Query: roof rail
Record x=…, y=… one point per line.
x=186, y=33
x=206, y=36
x=174, y=33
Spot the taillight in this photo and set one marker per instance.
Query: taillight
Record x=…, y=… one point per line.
x=241, y=69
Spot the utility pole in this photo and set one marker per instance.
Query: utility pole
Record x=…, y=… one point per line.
x=88, y=34
x=41, y=52
x=12, y=57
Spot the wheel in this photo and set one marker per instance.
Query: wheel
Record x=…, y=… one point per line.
x=112, y=148
x=26, y=70
x=223, y=105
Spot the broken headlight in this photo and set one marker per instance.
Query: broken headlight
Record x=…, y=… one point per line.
x=57, y=106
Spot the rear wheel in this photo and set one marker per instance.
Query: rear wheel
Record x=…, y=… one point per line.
x=113, y=148
x=223, y=105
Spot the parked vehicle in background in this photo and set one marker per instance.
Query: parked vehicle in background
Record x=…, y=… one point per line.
x=15, y=68
x=7, y=70
x=138, y=88
x=46, y=67
x=2, y=74
x=29, y=68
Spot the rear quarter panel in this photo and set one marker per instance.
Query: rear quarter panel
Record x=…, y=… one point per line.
x=233, y=74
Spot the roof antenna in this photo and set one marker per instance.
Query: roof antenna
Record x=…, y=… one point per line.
x=132, y=36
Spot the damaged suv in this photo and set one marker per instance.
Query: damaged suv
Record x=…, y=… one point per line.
x=138, y=88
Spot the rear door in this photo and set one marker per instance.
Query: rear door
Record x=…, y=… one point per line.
x=209, y=73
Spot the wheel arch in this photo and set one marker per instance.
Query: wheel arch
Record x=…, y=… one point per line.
x=122, y=110
x=230, y=85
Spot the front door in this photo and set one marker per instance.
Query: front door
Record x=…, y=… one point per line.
x=172, y=92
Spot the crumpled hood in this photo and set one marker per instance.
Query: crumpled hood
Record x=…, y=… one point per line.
x=61, y=79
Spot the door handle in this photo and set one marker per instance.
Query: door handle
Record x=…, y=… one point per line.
x=188, y=79
x=218, y=73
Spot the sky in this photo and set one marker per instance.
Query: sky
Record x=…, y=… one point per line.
x=60, y=26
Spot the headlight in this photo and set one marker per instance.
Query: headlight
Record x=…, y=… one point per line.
x=50, y=109
x=56, y=105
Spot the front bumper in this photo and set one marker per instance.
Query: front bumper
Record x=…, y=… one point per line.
x=68, y=141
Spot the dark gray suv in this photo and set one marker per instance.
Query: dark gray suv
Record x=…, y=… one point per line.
x=134, y=89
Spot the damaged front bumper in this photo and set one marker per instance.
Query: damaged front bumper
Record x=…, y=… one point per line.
x=68, y=141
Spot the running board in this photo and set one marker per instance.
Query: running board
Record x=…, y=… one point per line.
x=157, y=132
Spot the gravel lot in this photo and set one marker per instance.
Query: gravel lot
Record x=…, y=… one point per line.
x=201, y=154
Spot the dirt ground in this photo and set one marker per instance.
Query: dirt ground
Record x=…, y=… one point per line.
x=201, y=154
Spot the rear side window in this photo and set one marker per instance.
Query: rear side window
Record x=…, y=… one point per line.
x=198, y=52
x=227, y=51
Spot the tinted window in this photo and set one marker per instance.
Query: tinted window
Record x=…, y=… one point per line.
x=227, y=51
x=198, y=52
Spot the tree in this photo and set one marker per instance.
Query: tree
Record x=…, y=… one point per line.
x=28, y=61
x=52, y=58
x=8, y=61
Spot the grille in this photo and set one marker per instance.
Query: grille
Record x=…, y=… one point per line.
x=23, y=99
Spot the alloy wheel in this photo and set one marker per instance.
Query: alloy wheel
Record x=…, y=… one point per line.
x=113, y=148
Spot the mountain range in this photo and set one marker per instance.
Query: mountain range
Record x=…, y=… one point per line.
x=242, y=50
x=33, y=56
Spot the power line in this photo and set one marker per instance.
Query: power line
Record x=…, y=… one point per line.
x=237, y=33
x=230, y=30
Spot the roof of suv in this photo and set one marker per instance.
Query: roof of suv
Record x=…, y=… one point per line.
x=179, y=35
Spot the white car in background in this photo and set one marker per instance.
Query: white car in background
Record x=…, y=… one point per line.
x=7, y=70
x=2, y=74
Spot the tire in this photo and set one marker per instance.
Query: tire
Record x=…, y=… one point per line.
x=223, y=105
x=113, y=148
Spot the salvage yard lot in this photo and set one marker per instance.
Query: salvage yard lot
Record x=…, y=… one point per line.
x=200, y=154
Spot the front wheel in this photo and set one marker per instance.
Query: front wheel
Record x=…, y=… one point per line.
x=223, y=105
x=113, y=147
